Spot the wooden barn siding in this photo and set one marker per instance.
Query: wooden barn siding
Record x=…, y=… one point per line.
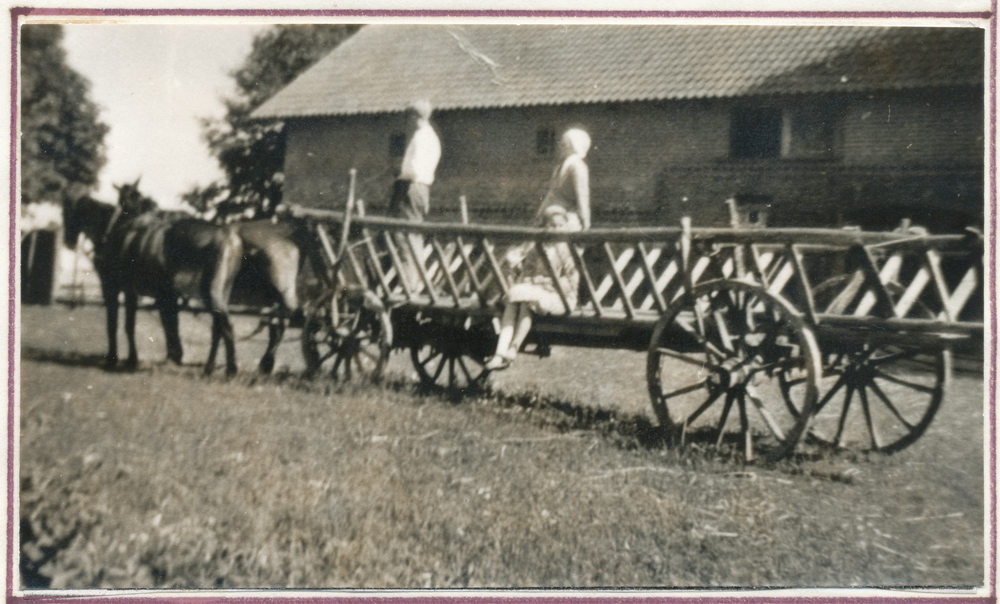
x=652, y=163
x=490, y=156
x=919, y=128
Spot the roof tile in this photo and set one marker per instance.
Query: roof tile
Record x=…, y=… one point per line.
x=384, y=67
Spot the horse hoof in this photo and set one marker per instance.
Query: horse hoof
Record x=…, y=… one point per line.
x=131, y=365
x=266, y=365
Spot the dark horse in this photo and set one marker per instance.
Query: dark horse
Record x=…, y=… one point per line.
x=143, y=251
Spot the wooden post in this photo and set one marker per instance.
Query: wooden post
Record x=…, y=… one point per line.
x=686, y=254
x=465, y=209
x=346, y=230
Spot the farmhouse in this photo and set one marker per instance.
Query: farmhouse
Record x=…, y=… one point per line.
x=811, y=126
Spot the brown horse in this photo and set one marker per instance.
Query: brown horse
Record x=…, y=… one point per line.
x=272, y=258
x=143, y=251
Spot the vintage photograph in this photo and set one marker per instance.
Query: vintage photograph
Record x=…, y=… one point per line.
x=492, y=305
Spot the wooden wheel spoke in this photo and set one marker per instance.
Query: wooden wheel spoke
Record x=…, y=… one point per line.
x=772, y=425
x=721, y=426
x=699, y=335
x=465, y=370
x=843, y=415
x=840, y=383
x=680, y=357
x=336, y=363
x=440, y=367
x=704, y=406
x=872, y=431
x=902, y=382
x=684, y=390
x=885, y=400
x=714, y=350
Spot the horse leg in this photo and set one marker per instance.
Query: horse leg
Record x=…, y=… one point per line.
x=283, y=272
x=131, y=304
x=167, y=305
x=213, y=348
x=219, y=288
x=283, y=278
x=111, y=306
x=275, y=332
x=222, y=329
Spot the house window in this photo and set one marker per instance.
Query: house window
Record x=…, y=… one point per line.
x=397, y=144
x=805, y=132
x=755, y=133
x=545, y=141
x=808, y=133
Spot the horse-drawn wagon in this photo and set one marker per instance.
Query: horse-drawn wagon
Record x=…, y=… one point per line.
x=769, y=338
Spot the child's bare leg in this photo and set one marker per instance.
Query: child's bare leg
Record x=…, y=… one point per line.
x=521, y=329
x=507, y=322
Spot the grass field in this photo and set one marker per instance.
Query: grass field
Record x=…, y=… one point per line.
x=163, y=478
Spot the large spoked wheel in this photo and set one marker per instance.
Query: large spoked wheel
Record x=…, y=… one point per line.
x=712, y=366
x=453, y=358
x=348, y=334
x=875, y=397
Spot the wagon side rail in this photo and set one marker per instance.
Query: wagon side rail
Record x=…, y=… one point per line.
x=895, y=281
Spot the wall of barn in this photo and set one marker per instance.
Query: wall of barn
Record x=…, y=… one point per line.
x=494, y=159
x=911, y=153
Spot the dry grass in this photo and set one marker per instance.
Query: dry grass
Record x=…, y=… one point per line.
x=162, y=478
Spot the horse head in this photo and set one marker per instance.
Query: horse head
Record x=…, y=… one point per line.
x=73, y=221
x=132, y=201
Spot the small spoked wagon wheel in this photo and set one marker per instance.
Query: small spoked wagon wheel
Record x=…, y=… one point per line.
x=453, y=358
x=347, y=333
x=877, y=393
x=712, y=366
x=874, y=396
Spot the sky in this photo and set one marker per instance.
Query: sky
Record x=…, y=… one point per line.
x=154, y=84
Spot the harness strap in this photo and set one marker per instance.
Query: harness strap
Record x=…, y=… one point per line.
x=111, y=223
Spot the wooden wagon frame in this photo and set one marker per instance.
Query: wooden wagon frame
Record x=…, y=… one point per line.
x=770, y=339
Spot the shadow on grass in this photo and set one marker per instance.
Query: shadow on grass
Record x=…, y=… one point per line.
x=69, y=358
x=626, y=431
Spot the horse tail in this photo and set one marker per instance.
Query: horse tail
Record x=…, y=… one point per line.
x=227, y=265
x=285, y=276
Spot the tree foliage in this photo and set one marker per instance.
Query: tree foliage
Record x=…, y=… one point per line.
x=252, y=153
x=62, y=139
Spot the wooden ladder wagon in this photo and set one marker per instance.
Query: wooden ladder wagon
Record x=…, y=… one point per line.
x=765, y=338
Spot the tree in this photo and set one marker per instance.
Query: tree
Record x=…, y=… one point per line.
x=62, y=140
x=252, y=153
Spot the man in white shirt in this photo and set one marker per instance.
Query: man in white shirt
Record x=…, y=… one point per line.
x=411, y=193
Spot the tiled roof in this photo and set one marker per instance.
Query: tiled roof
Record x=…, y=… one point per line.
x=385, y=66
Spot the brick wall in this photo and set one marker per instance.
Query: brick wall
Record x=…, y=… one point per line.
x=653, y=162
